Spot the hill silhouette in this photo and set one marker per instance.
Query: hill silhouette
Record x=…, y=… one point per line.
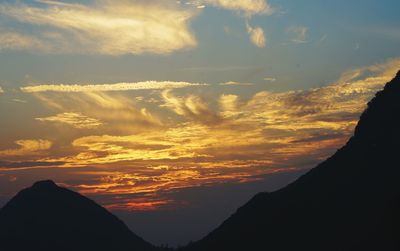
x=48, y=217
x=351, y=201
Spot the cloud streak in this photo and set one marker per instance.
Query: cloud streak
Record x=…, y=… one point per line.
x=18, y=41
x=234, y=83
x=147, y=85
x=76, y=120
x=192, y=107
x=298, y=33
x=248, y=7
x=117, y=111
x=27, y=148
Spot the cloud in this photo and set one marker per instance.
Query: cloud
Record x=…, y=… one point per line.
x=27, y=148
x=235, y=83
x=18, y=41
x=139, y=204
x=248, y=7
x=118, y=112
x=192, y=107
x=298, y=34
x=103, y=27
x=228, y=103
x=21, y=101
x=28, y=164
x=257, y=36
x=76, y=120
x=270, y=79
x=147, y=85
x=206, y=139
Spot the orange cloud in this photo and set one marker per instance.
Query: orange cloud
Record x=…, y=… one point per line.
x=27, y=148
x=139, y=204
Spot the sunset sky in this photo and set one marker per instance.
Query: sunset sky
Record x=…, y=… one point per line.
x=170, y=111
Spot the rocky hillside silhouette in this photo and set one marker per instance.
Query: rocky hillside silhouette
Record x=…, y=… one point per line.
x=349, y=202
x=48, y=217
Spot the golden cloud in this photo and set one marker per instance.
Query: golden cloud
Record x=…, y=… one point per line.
x=105, y=27
x=205, y=141
x=192, y=107
x=119, y=112
x=267, y=127
x=146, y=85
x=27, y=148
x=73, y=119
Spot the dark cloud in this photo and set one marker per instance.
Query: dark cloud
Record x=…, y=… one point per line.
x=29, y=164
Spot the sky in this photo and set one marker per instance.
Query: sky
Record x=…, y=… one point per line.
x=172, y=114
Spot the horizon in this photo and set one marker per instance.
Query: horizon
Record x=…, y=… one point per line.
x=175, y=113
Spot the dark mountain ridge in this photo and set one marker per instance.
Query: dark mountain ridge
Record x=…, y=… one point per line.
x=48, y=217
x=351, y=201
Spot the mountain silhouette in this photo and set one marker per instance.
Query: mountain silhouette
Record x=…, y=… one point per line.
x=351, y=201
x=48, y=217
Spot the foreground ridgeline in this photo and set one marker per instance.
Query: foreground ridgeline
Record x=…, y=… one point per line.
x=47, y=217
x=350, y=202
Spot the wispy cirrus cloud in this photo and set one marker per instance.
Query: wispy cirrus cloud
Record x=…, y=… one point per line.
x=233, y=83
x=118, y=111
x=142, y=27
x=147, y=85
x=192, y=107
x=270, y=79
x=247, y=7
x=27, y=148
x=267, y=128
x=298, y=34
x=228, y=138
x=76, y=120
x=102, y=27
x=18, y=41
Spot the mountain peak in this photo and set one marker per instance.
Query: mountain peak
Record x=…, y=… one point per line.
x=45, y=184
x=48, y=217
